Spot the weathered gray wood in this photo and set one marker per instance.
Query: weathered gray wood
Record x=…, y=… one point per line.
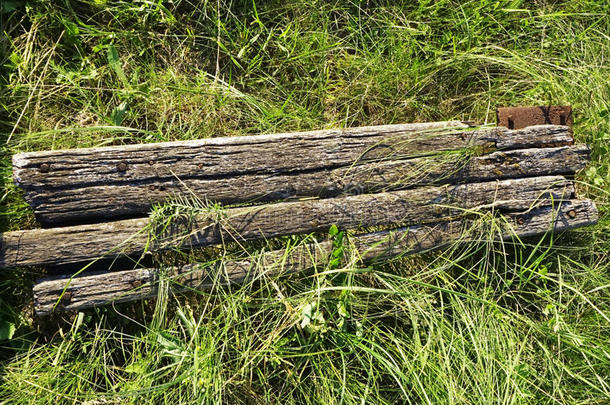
x=81, y=243
x=92, y=290
x=153, y=168
x=130, y=199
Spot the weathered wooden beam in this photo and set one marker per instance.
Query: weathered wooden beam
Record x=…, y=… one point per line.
x=131, y=199
x=90, y=290
x=75, y=244
x=150, y=171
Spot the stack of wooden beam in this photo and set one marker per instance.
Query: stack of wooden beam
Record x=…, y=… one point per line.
x=421, y=184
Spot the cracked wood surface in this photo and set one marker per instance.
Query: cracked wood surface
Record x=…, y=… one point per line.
x=110, y=182
x=81, y=243
x=90, y=290
x=127, y=199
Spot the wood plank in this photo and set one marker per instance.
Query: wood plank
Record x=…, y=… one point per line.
x=133, y=199
x=97, y=289
x=75, y=244
x=221, y=158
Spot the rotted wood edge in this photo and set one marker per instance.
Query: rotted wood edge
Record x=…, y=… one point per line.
x=82, y=243
x=91, y=290
x=107, y=201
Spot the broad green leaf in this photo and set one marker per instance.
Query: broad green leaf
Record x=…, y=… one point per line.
x=115, y=64
x=7, y=330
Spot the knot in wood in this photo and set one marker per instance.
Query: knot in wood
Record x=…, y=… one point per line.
x=572, y=214
x=45, y=167
x=122, y=166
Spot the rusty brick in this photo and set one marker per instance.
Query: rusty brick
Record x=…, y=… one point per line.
x=521, y=117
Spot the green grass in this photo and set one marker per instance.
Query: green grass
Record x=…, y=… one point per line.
x=481, y=323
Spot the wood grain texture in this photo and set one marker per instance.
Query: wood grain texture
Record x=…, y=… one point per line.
x=75, y=244
x=97, y=289
x=132, y=199
x=51, y=180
